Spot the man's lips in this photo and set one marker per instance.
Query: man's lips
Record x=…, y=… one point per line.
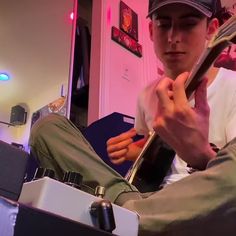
x=174, y=53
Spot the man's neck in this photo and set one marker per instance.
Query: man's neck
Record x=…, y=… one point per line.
x=171, y=74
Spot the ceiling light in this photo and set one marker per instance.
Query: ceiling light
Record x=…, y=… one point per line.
x=4, y=77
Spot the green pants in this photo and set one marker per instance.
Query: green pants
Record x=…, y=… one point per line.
x=203, y=203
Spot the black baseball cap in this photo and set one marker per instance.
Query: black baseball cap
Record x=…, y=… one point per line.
x=206, y=7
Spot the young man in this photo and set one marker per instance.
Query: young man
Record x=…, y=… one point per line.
x=200, y=204
x=179, y=31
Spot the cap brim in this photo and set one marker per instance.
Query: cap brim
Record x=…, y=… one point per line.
x=196, y=6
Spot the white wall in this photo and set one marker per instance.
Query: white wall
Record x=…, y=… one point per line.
x=35, y=48
x=110, y=61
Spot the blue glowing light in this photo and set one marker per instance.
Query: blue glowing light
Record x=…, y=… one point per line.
x=4, y=77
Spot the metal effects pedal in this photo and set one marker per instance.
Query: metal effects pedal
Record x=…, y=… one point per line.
x=64, y=200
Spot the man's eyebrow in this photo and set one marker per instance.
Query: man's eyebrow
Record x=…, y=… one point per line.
x=158, y=17
x=191, y=15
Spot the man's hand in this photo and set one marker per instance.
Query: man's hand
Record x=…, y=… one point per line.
x=184, y=128
x=122, y=147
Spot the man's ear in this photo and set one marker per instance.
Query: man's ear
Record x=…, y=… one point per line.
x=213, y=26
x=151, y=30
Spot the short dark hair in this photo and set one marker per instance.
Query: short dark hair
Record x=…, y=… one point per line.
x=223, y=14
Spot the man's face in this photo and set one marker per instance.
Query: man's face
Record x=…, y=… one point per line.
x=179, y=34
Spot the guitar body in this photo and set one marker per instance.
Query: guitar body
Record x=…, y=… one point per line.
x=156, y=162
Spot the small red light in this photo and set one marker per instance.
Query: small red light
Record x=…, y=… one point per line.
x=72, y=15
x=109, y=15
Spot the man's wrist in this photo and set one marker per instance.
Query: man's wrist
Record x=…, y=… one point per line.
x=209, y=153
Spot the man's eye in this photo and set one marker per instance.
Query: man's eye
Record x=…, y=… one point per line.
x=163, y=24
x=188, y=26
x=189, y=23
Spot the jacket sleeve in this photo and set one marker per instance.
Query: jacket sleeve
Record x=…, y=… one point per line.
x=231, y=119
x=203, y=203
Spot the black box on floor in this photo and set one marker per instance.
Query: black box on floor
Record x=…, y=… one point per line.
x=13, y=163
x=21, y=220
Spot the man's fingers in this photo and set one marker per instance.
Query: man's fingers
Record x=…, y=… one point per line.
x=126, y=135
x=179, y=95
x=163, y=90
x=118, y=154
x=119, y=146
x=118, y=161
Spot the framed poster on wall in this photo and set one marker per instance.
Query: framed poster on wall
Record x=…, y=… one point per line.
x=128, y=21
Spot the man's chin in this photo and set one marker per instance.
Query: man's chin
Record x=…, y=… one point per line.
x=174, y=73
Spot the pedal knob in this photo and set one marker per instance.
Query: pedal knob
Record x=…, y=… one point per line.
x=99, y=191
x=73, y=179
x=43, y=172
x=103, y=215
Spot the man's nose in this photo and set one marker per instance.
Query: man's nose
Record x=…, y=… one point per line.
x=174, y=35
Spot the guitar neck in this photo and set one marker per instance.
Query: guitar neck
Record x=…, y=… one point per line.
x=200, y=68
x=226, y=35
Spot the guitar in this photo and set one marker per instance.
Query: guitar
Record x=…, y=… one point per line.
x=152, y=164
